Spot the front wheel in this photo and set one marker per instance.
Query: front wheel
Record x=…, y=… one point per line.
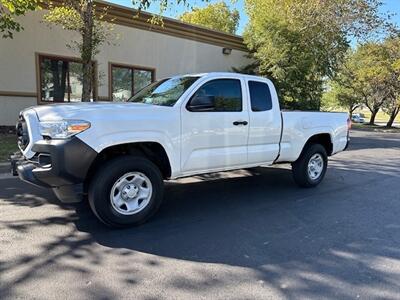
x=126, y=191
x=310, y=168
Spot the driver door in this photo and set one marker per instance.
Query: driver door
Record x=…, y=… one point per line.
x=215, y=127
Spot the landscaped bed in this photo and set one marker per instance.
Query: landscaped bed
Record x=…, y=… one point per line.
x=8, y=145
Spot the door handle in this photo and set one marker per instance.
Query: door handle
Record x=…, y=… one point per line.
x=237, y=123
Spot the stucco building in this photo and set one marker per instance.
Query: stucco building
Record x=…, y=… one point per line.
x=37, y=68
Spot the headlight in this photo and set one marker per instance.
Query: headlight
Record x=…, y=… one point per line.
x=62, y=129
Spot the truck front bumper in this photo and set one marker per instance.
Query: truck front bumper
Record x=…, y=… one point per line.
x=61, y=165
x=24, y=171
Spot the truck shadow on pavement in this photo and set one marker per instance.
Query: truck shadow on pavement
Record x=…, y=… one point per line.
x=322, y=242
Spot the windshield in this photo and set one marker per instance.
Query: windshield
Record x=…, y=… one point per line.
x=165, y=92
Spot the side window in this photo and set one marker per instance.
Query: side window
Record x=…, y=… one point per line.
x=225, y=95
x=260, y=96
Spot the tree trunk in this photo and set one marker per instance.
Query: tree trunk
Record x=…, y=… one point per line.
x=319, y=104
x=393, y=116
x=352, y=108
x=59, y=84
x=87, y=52
x=373, y=116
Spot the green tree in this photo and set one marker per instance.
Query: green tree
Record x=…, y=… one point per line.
x=345, y=90
x=301, y=43
x=83, y=17
x=338, y=96
x=9, y=9
x=392, y=104
x=370, y=75
x=392, y=108
x=373, y=66
x=216, y=16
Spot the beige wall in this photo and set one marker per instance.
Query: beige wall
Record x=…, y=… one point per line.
x=167, y=54
x=11, y=106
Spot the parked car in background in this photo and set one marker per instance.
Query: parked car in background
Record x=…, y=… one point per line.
x=357, y=118
x=119, y=154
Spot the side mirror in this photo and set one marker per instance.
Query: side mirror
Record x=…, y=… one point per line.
x=202, y=103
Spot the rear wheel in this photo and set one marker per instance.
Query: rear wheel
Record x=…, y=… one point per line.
x=310, y=168
x=126, y=191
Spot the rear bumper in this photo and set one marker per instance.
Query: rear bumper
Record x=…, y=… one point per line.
x=347, y=144
x=348, y=140
x=58, y=164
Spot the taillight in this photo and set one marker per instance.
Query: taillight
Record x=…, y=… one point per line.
x=348, y=123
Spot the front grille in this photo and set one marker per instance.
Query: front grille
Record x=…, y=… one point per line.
x=22, y=133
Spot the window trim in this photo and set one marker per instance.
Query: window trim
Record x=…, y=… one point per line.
x=39, y=56
x=111, y=65
x=270, y=93
x=213, y=111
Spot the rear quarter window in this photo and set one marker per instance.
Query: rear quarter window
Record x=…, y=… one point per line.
x=260, y=96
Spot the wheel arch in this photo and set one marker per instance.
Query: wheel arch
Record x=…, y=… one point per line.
x=324, y=139
x=154, y=151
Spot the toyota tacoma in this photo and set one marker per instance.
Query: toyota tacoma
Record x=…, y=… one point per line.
x=117, y=154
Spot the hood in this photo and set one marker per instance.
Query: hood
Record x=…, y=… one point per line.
x=86, y=110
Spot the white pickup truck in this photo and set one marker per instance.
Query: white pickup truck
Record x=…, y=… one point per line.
x=118, y=154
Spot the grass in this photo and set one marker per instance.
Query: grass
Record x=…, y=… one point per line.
x=380, y=117
x=375, y=128
x=8, y=145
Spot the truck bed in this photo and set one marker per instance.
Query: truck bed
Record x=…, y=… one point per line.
x=299, y=126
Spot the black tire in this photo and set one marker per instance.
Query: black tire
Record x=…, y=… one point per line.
x=300, y=166
x=102, y=183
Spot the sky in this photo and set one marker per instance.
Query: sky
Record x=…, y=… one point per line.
x=392, y=6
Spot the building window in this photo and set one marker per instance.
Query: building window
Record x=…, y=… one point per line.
x=128, y=80
x=60, y=79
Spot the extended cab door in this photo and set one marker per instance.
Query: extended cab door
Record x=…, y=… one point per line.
x=215, y=124
x=265, y=122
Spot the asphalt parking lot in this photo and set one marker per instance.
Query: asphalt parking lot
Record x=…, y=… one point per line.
x=249, y=234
